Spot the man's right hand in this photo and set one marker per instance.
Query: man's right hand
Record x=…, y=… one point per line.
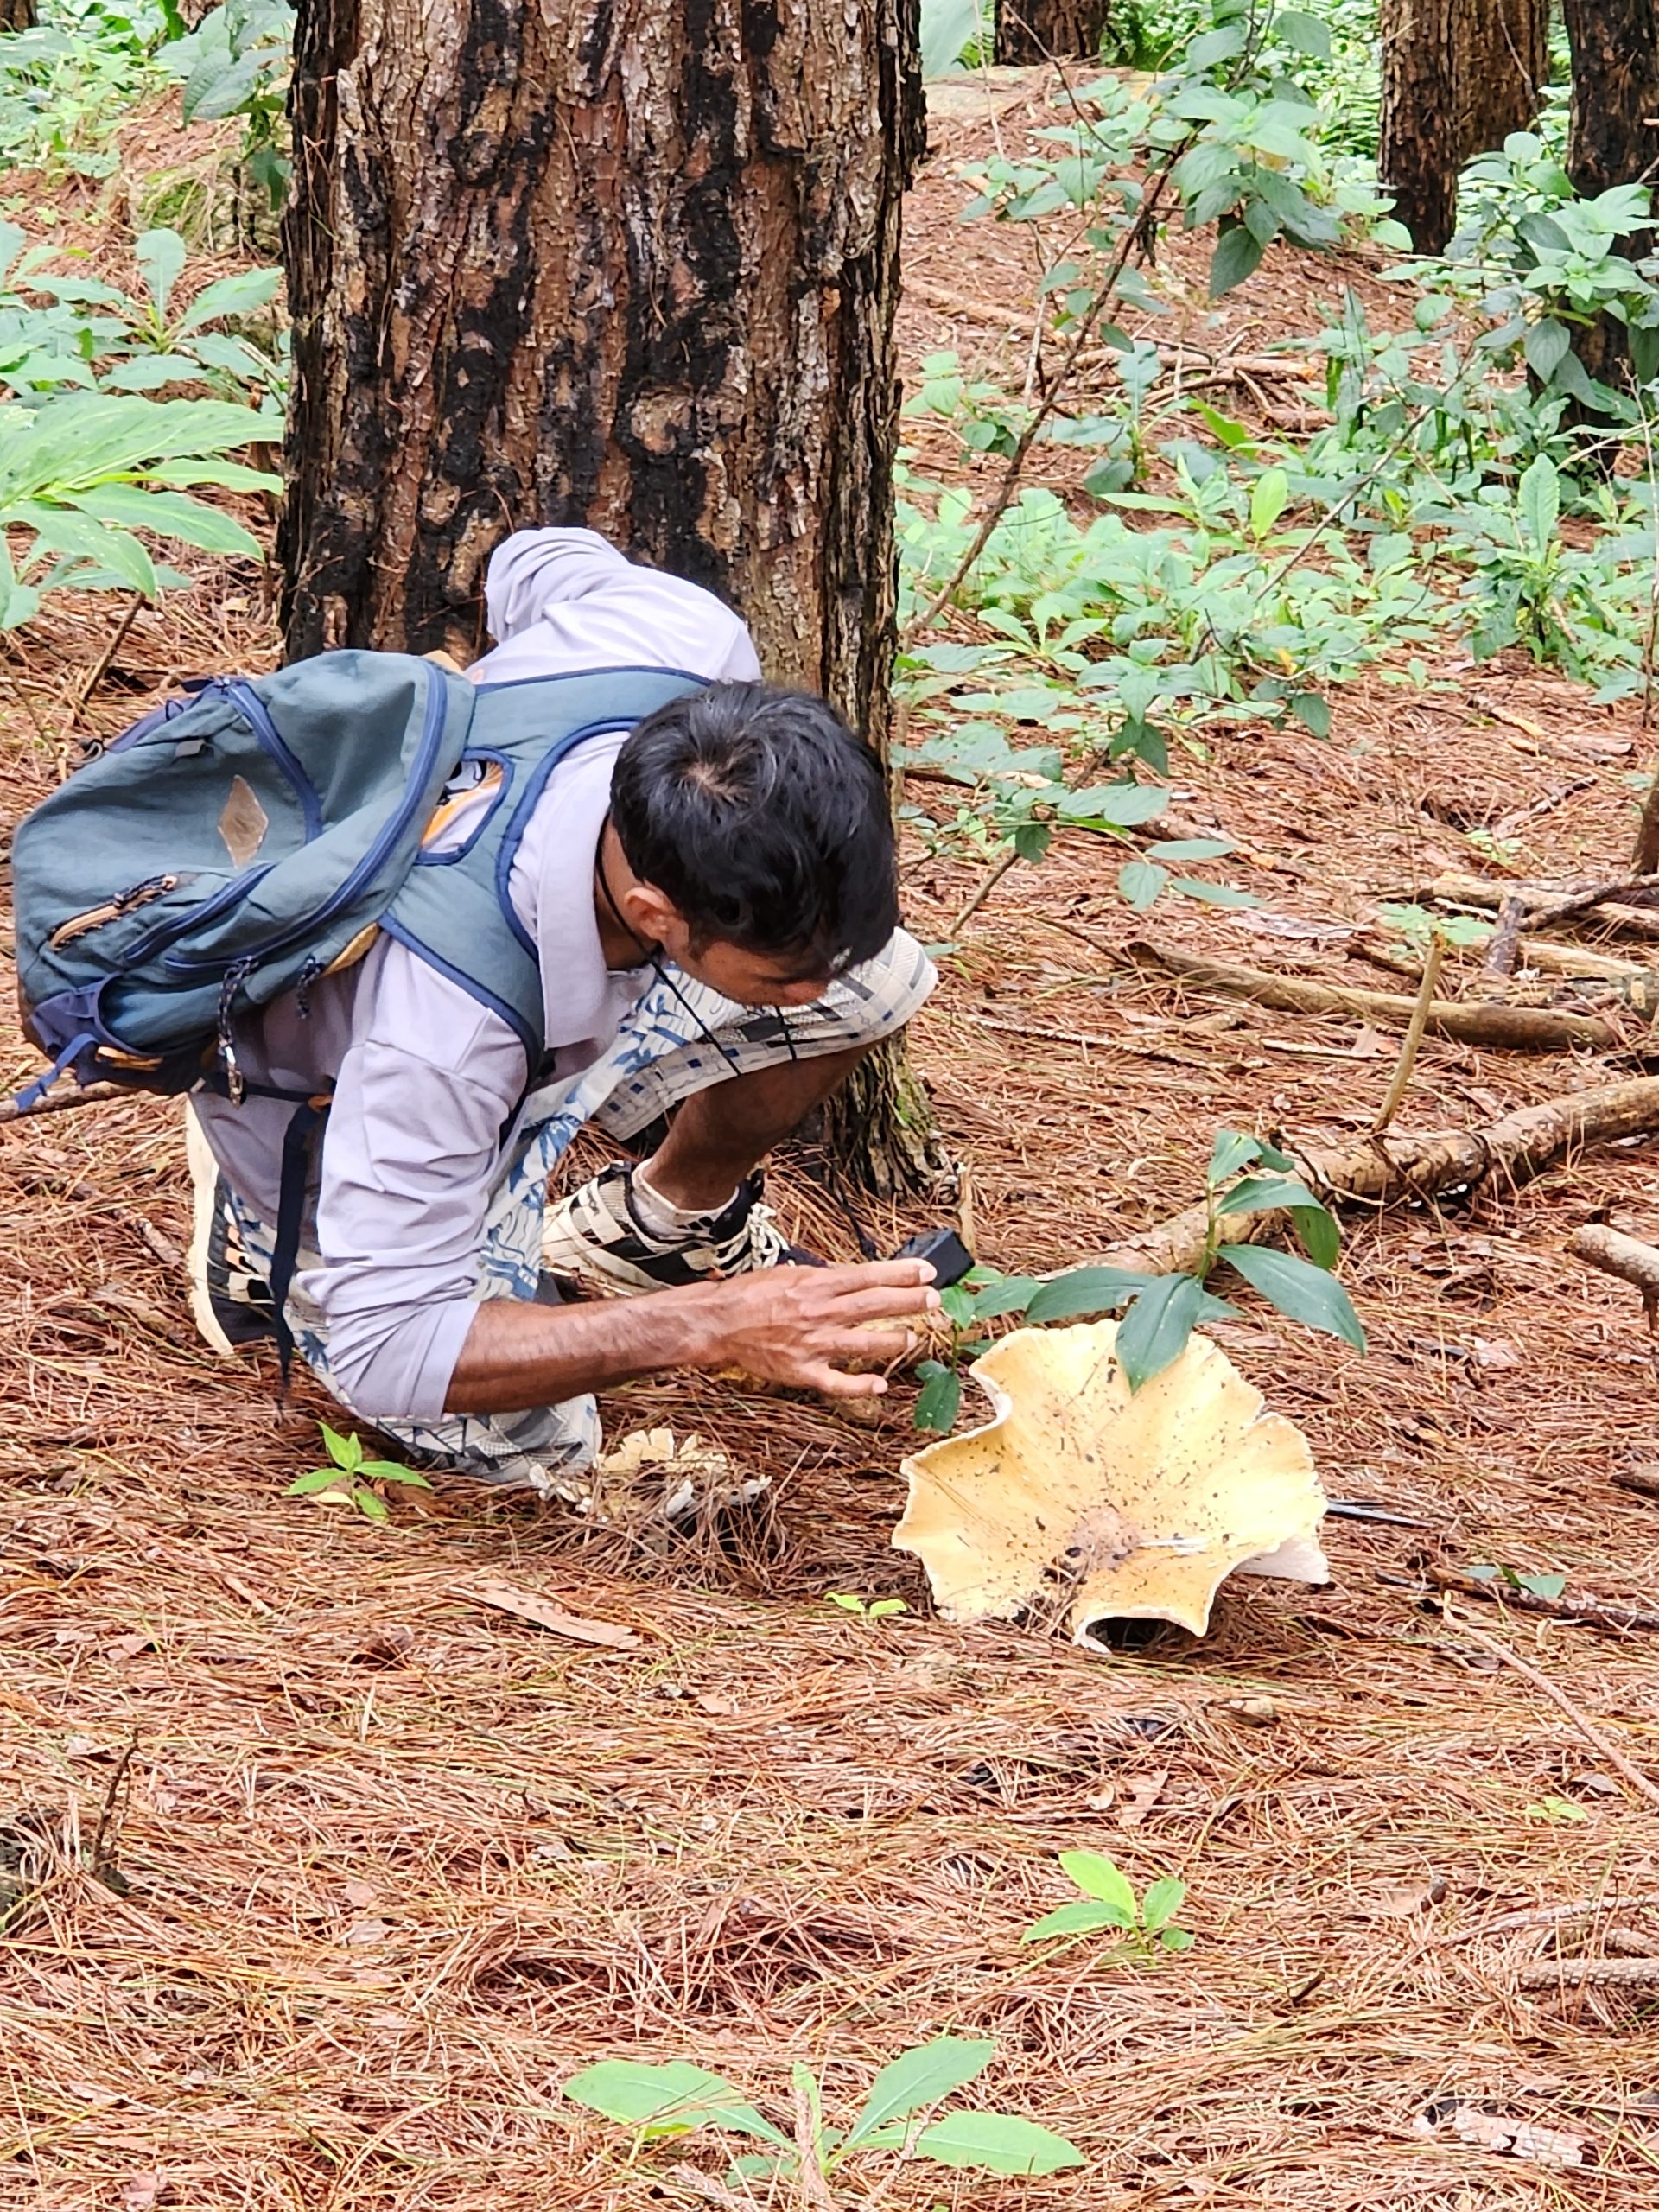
x=799, y=1325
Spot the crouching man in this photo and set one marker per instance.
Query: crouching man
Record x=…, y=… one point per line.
x=711, y=899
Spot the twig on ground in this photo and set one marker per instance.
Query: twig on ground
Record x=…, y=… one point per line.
x=988, y=883
x=1541, y=902
x=1558, y=1698
x=1413, y=1037
x=1596, y=1613
x=89, y=683
x=1585, y=1974
x=63, y=1100
x=1627, y=1258
x=1547, y=1915
x=1503, y=1028
x=1644, y=1481
x=1505, y=940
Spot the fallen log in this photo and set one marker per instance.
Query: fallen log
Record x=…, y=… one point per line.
x=1501, y=1028
x=1539, y=902
x=1627, y=1258
x=1507, y=1152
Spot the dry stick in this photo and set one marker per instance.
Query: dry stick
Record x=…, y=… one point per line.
x=1628, y=1257
x=1584, y=1973
x=1547, y=1916
x=1509, y=1151
x=64, y=1100
x=1503, y=1028
x=1505, y=940
x=1558, y=1698
x=1599, y=1612
x=1644, y=1481
x=1413, y=1037
x=84, y=690
x=1543, y=902
x=987, y=883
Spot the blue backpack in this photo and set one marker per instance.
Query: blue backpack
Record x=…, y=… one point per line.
x=253, y=835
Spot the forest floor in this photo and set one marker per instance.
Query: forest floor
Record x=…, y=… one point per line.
x=334, y=1875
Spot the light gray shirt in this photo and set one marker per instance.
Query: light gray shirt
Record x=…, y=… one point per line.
x=425, y=1078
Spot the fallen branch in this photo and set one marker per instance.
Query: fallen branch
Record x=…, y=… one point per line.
x=1547, y=1916
x=1501, y=1028
x=1508, y=1152
x=1413, y=1038
x=1644, y=1481
x=1597, y=1611
x=1558, y=1698
x=63, y=1100
x=1539, y=902
x=1627, y=1258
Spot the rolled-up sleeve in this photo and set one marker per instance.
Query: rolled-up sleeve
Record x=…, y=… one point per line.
x=412, y=1144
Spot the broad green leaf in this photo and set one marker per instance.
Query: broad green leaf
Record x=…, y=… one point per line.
x=1190, y=849
x=1163, y=1900
x=1122, y=805
x=392, y=1471
x=1156, y=1327
x=1139, y=882
x=345, y=1452
x=1312, y=712
x=1539, y=496
x=1321, y=1239
x=668, y=2099
x=1233, y=1149
x=240, y=295
x=66, y=531
x=1214, y=894
x=1544, y=345
x=1237, y=255
x=1542, y=1586
x=370, y=1507
x=1085, y=1290
x=938, y=1401
x=1176, y=1939
x=996, y=2143
x=1268, y=500
x=1262, y=1193
x=151, y=371
x=1083, y=1917
x=1098, y=1878
x=1306, y=1293
x=1305, y=33
x=1011, y=1294
x=949, y=27
x=320, y=1478
x=170, y=514
x=919, y=2078
x=160, y=256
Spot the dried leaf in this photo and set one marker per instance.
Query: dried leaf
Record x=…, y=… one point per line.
x=127, y=1646
x=1399, y=1900
x=542, y=1612
x=363, y=1932
x=1079, y=1496
x=140, y=2192
x=1141, y=1793
x=360, y=1895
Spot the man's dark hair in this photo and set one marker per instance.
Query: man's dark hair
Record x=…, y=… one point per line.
x=766, y=821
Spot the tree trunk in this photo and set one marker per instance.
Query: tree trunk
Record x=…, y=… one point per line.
x=1050, y=30
x=1615, y=133
x=17, y=15
x=630, y=263
x=1458, y=76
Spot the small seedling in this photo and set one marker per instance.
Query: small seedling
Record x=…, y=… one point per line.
x=1109, y=1902
x=349, y=1478
x=655, y=2101
x=1556, y=1808
x=869, y=1609
x=1536, y=1586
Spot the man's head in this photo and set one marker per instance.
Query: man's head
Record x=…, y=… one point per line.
x=758, y=831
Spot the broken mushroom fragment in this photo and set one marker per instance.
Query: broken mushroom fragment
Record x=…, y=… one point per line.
x=1081, y=1503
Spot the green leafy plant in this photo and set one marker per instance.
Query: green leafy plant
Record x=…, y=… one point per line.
x=235, y=62
x=1163, y=1310
x=1418, y=926
x=351, y=1478
x=89, y=476
x=1108, y=1902
x=655, y=2102
x=869, y=1609
x=66, y=86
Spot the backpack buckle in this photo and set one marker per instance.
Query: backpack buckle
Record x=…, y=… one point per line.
x=236, y=1083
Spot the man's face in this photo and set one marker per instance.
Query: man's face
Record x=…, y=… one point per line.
x=751, y=978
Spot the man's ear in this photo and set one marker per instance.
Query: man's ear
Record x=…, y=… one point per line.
x=649, y=913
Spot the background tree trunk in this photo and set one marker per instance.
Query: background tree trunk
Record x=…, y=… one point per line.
x=1615, y=135
x=17, y=15
x=632, y=263
x=1458, y=76
x=1041, y=30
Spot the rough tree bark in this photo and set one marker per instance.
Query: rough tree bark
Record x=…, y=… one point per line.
x=1043, y=31
x=17, y=15
x=1614, y=137
x=626, y=263
x=1458, y=76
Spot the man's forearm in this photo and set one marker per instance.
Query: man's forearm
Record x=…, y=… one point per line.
x=517, y=1355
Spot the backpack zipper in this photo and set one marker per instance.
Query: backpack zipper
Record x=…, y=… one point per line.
x=125, y=902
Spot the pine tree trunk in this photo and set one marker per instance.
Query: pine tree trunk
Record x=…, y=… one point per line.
x=17, y=15
x=630, y=263
x=1050, y=30
x=1615, y=132
x=1458, y=76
